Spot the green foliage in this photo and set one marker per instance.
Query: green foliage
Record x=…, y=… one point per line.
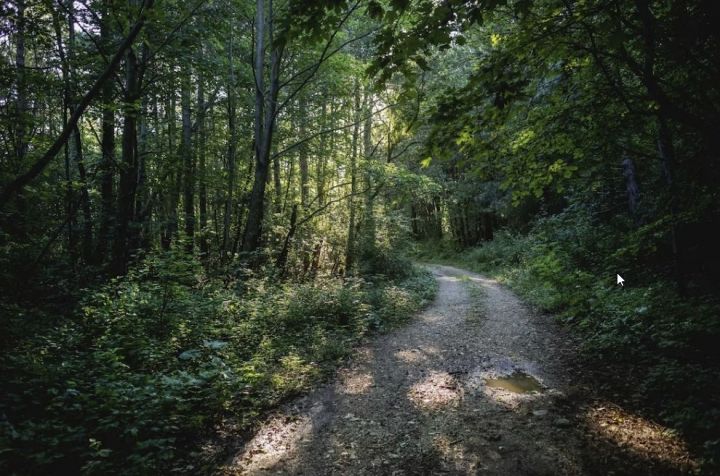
x=150, y=361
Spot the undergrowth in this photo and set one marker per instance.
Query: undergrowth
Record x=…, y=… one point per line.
x=130, y=381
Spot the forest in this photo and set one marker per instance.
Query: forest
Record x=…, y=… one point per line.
x=207, y=206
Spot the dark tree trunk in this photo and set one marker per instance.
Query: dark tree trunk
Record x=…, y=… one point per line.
x=281, y=262
x=202, y=172
x=187, y=162
x=631, y=187
x=172, y=192
x=87, y=235
x=231, y=154
x=107, y=162
x=21, y=145
x=129, y=169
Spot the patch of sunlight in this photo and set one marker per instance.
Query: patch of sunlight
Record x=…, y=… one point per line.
x=278, y=439
x=355, y=383
x=484, y=281
x=294, y=374
x=641, y=436
x=522, y=139
x=437, y=390
x=454, y=453
x=416, y=355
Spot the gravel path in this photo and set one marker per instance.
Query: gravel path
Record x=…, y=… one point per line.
x=416, y=401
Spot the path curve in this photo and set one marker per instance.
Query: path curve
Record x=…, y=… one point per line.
x=415, y=401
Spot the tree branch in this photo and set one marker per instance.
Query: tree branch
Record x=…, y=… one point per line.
x=17, y=185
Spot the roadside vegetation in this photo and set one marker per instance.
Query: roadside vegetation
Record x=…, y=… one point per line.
x=642, y=343
x=151, y=363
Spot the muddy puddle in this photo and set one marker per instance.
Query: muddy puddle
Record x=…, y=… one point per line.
x=517, y=382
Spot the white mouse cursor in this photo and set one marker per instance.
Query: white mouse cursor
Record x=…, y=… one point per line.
x=620, y=280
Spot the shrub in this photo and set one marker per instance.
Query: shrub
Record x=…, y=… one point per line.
x=147, y=363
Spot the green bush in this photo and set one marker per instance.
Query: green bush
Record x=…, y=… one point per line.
x=129, y=382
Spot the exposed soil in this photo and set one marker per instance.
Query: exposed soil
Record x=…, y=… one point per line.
x=476, y=384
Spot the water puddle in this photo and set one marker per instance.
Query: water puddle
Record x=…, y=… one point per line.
x=517, y=382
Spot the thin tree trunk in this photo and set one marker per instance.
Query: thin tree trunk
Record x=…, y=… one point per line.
x=350, y=250
x=107, y=162
x=303, y=154
x=21, y=145
x=140, y=234
x=76, y=141
x=281, y=262
x=231, y=154
x=368, y=239
x=202, y=172
x=168, y=189
x=277, y=184
x=187, y=161
x=86, y=246
x=320, y=164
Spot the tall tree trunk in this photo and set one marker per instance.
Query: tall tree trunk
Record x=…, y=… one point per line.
x=174, y=174
x=140, y=234
x=76, y=141
x=264, y=125
x=86, y=246
x=322, y=158
x=202, y=171
x=350, y=250
x=21, y=145
x=369, y=232
x=666, y=149
x=63, y=53
x=107, y=161
x=187, y=161
x=129, y=169
x=303, y=153
x=231, y=153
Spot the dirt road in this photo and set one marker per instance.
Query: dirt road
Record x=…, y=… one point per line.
x=477, y=384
